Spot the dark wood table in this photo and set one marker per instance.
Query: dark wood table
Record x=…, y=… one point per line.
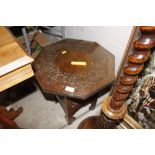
x=74, y=71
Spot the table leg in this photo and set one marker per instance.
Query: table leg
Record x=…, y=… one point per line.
x=70, y=106
x=7, y=117
x=11, y=114
x=93, y=102
x=7, y=123
x=71, y=109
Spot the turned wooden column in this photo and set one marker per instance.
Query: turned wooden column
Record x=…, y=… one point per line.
x=114, y=106
x=138, y=51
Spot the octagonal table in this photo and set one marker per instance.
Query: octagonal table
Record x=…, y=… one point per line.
x=74, y=71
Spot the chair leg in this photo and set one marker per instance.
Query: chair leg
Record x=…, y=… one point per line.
x=7, y=117
x=7, y=123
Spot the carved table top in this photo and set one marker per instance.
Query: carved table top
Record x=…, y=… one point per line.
x=74, y=68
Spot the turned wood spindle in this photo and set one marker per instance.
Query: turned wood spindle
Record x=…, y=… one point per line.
x=135, y=64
